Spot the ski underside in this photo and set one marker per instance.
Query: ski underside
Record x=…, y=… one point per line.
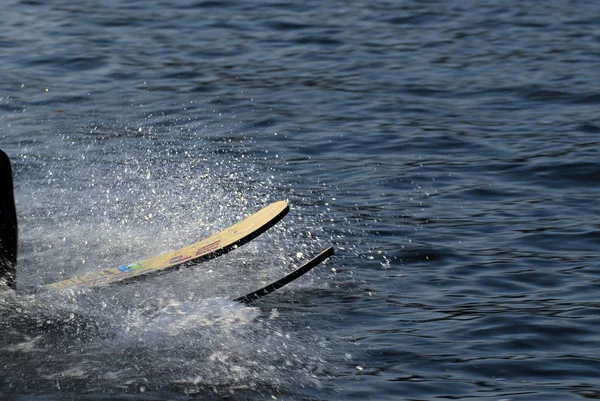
x=209, y=248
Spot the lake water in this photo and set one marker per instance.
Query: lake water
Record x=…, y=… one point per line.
x=449, y=150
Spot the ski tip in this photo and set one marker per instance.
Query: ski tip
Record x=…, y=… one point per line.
x=282, y=203
x=325, y=254
x=329, y=251
x=283, y=208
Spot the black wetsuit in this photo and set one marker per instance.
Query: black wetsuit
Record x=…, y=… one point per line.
x=8, y=223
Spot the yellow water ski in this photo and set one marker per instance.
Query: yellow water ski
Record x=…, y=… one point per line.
x=214, y=246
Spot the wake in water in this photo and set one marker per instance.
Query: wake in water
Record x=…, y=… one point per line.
x=54, y=343
x=180, y=329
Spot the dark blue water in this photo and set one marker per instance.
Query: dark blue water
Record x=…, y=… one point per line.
x=448, y=149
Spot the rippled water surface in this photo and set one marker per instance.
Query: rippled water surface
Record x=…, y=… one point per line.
x=448, y=149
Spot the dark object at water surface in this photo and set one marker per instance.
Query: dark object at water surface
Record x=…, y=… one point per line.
x=8, y=224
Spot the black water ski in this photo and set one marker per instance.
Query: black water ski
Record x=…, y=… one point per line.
x=253, y=296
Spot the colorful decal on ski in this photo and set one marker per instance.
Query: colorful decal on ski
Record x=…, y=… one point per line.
x=129, y=268
x=199, y=252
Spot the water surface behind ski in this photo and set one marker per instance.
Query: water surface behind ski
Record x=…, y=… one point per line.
x=449, y=150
